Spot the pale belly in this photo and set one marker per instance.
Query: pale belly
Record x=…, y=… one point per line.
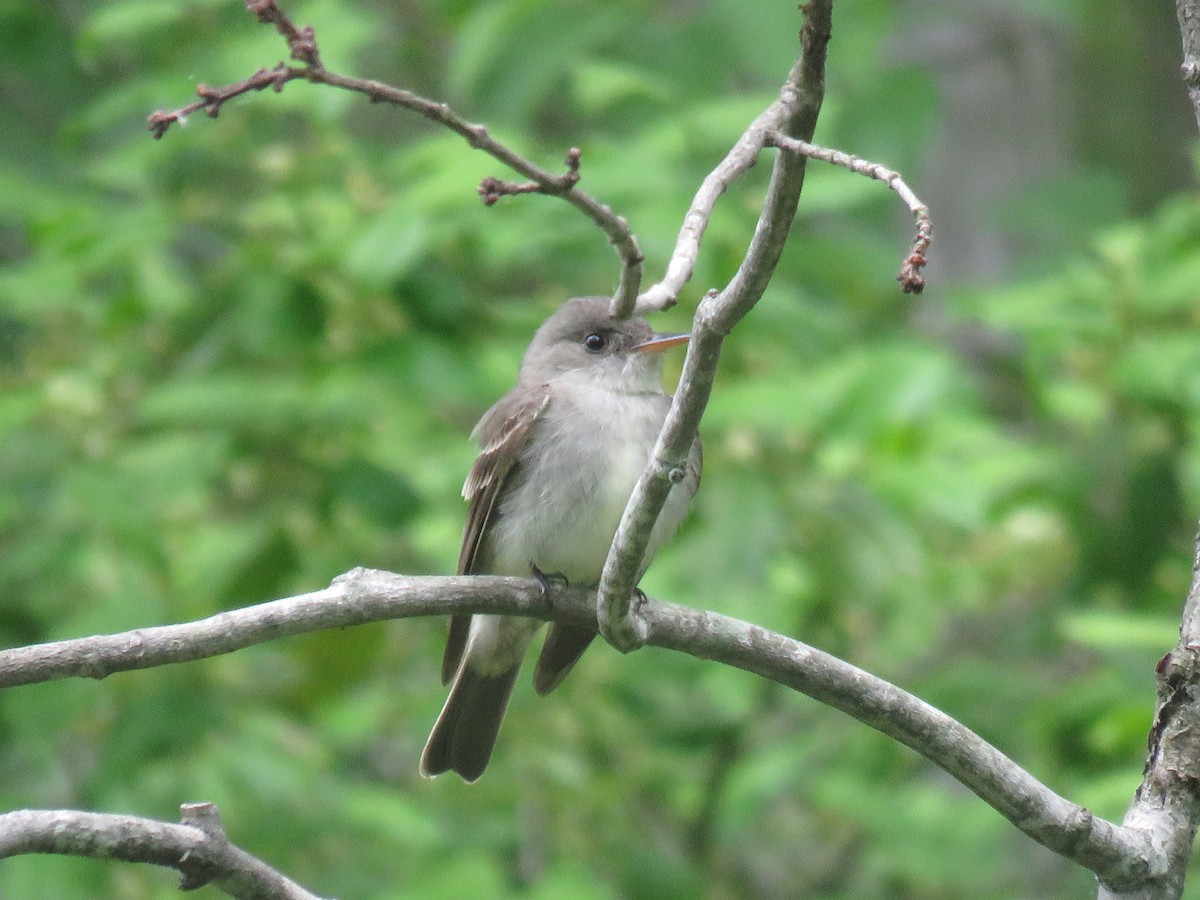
x=564, y=504
x=562, y=513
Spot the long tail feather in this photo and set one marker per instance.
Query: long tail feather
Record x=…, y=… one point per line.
x=465, y=733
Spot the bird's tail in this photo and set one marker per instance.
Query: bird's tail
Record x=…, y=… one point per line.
x=560, y=651
x=465, y=733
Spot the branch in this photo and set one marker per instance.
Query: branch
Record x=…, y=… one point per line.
x=198, y=847
x=1166, y=807
x=1116, y=854
x=211, y=99
x=344, y=603
x=793, y=114
x=743, y=156
x=911, y=281
x=302, y=44
x=492, y=189
x=1188, y=12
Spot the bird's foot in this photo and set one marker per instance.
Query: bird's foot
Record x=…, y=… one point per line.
x=546, y=579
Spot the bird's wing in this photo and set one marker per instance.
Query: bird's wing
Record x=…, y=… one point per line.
x=508, y=424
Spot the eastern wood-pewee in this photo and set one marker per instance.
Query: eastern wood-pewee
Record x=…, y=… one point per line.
x=561, y=454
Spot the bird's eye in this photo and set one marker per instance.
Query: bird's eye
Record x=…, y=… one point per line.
x=594, y=342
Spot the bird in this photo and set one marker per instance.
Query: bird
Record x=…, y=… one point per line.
x=560, y=455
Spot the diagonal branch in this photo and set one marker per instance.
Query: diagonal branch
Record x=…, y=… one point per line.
x=302, y=44
x=788, y=124
x=741, y=157
x=1116, y=854
x=197, y=847
x=211, y=99
x=793, y=114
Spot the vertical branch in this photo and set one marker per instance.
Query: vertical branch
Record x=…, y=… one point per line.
x=1188, y=12
x=1166, y=806
x=795, y=115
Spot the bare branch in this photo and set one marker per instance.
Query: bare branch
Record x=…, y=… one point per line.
x=198, y=847
x=742, y=156
x=211, y=98
x=337, y=606
x=492, y=189
x=1188, y=12
x=793, y=114
x=302, y=43
x=1118, y=855
x=911, y=281
x=1166, y=807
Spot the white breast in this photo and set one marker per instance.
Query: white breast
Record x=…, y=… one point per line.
x=575, y=481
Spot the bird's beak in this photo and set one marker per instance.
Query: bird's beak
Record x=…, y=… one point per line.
x=661, y=342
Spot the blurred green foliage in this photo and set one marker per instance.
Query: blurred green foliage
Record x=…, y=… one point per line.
x=243, y=359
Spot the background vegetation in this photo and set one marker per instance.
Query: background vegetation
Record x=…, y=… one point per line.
x=239, y=361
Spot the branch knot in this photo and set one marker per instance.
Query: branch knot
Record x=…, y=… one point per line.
x=492, y=189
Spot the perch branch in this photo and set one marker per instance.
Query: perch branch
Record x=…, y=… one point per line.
x=302, y=44
x=1116, y=854
x=793, y=114
x=197, y=847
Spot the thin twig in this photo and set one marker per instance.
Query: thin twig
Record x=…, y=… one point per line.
x=911, y=281
x=741, y=157
x=492, y=189
x=211, y=99
x=302, y=44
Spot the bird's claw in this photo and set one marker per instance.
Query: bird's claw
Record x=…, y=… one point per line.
x=546, y=579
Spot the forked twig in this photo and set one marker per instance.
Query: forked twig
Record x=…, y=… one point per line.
x=302, y=44
x=197, y=847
